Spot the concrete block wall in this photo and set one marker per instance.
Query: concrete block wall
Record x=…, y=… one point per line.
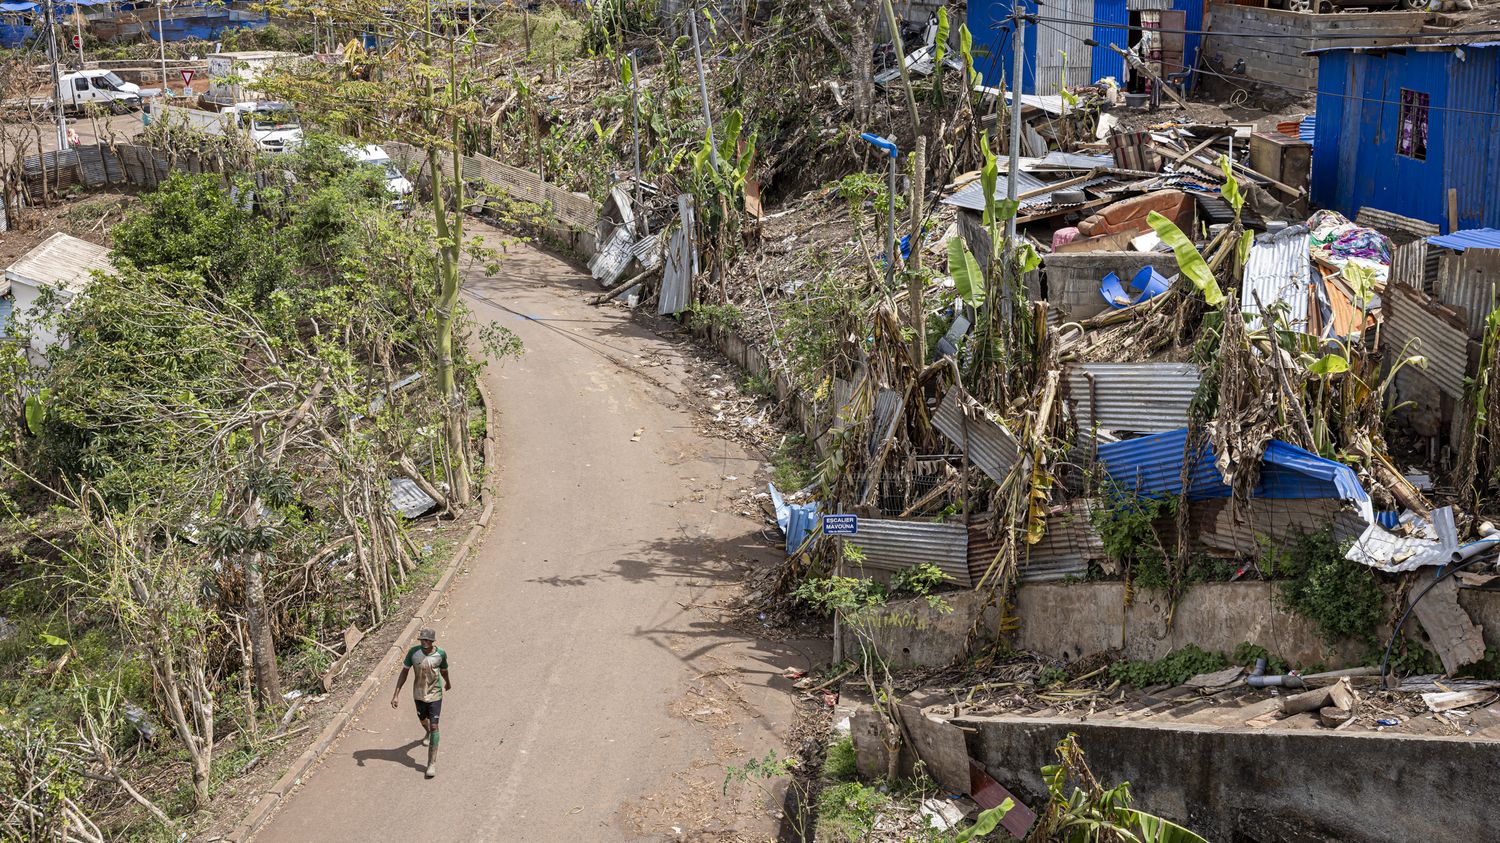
x=1072, y=279
x=1071, y=621
x=1271, y=42
x=1263, y=785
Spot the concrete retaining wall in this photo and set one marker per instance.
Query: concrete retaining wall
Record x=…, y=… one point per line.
x=1072, y=278
x=1073, y=620
x=1265, y=786
x=1271, y=42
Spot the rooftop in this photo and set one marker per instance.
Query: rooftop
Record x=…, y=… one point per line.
x=60, y=261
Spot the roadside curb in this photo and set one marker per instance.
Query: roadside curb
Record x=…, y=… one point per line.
x=271, y=800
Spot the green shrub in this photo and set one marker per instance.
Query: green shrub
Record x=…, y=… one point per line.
x=1174, y=668
x=1341, y=596
x=839, y=765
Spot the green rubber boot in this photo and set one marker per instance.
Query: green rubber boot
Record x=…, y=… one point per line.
x=432, y=753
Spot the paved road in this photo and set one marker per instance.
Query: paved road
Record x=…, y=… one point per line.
x=590, y=701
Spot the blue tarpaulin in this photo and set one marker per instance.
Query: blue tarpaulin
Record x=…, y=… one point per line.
x=794, y=519
x=1473, y=238
x=1152, y=466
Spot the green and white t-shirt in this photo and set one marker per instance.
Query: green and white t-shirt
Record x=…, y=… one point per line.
x=428, y=686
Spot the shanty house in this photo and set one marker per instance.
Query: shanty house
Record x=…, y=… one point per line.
x=1410, y=129
x=1057, y=49
x=60, y=263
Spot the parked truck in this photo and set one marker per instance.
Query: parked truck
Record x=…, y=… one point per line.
x=80, y=89
x=272, y=126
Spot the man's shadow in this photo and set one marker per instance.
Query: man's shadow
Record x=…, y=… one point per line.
x=399, y=755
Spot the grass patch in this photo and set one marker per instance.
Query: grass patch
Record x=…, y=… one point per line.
x=758, y=385
x=839, y=764
x=794, y=465
x=847, y=811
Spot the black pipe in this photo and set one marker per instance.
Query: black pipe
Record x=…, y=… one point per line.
x=1443, y=574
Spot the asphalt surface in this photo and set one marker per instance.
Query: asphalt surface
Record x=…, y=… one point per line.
x=593, y=697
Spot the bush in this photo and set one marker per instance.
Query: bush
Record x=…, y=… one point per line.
x=1341, y=596
x=840, y=765
x=1174, y=668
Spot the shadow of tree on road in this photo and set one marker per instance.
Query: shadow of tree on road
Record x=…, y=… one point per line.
x=399, y=755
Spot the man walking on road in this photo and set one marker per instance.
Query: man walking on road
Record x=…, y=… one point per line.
x=427, y=690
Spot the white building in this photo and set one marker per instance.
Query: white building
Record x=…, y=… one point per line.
x=62, y=263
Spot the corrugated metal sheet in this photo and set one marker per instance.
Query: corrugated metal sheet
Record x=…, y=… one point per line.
x=1110, y=18
x=647, y=250
x=1466, y=282
x=887, y=412
x=1068, y=545
x=1474, y=238
x=1131, y=397
x=1395, y=226
x=891, y=545
x=1268, y=523
x=988, y=444
x=1409, y=266
x=1358, y=105
x=408, y=498
x=971, y=195
x=1076, y=160
x=1433, y=331
x=1308, y=129
x=1279, y=270
x=61, y=262
x=1063, y=59
x=1152, y=466
x=682, y=263
x=608, y=264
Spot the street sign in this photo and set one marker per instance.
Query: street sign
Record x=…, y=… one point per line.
x=77, y=42
x=187, y=78
x=840, y=525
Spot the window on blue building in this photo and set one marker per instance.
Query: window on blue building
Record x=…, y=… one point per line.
x=1411, y=127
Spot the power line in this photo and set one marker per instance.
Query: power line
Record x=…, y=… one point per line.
x=1314, y=91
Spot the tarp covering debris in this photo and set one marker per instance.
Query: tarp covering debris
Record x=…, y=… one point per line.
x=1152, y=466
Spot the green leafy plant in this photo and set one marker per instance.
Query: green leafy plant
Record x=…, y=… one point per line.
x=1092, y=813
x=1189, y=259
x=1174, y=668
x=1339, y=595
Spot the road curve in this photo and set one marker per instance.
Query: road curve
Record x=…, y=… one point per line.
x=594, y=699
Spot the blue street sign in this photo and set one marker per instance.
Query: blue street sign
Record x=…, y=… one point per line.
x=840, y=525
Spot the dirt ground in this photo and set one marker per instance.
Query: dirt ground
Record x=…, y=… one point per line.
x=602, y=686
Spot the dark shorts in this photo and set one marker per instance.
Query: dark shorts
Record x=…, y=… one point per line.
x=429, y=711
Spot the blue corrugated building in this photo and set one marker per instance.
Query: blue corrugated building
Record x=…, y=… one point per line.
x=1400, y=126
x=1055, y=47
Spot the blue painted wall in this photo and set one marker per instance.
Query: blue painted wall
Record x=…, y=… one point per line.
x=989, y=23
x=1358, y=107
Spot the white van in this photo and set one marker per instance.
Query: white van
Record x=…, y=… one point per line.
x=97, y=87
x=400, y=189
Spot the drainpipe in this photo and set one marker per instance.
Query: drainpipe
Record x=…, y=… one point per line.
x=1259, y=679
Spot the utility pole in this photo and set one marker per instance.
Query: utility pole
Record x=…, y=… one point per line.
x=635, y=104
x=78, y=24
x=57, y=91
x=1016, y=46
x=708, y=119
x=161, y=37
